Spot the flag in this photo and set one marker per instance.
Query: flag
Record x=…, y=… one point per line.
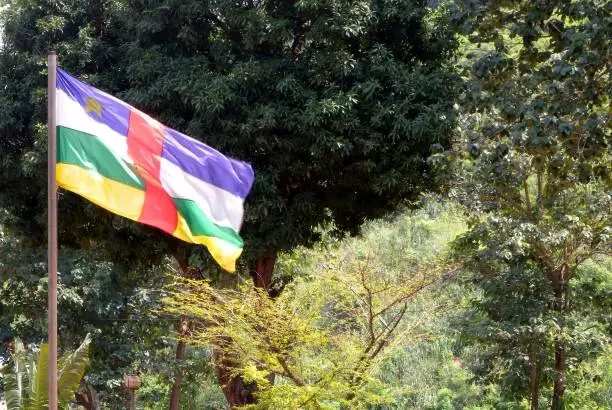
x=132, y=165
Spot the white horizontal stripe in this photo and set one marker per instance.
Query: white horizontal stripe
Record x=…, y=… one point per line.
x=72, y=115
x=221, y=206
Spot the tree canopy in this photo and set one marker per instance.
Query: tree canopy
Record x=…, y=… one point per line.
x=348, y=110
x=535, y=176
x=336, y=104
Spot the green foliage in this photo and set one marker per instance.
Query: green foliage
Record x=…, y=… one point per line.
x=25, y=379
x=200, y=390
x=328, y=336
x=71, y=371
x=95, y=296
x=39, y=375
x=591, y=383
x=336, y=104
x=13, y=381
x=328, y=101
x=533, y=172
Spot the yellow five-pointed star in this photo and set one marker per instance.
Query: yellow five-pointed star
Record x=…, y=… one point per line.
x=91, y=104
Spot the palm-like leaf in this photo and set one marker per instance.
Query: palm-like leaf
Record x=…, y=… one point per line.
x=71, y=371
x=12, y=392
x=39, y=373
x=13, y=378
x=26, y=384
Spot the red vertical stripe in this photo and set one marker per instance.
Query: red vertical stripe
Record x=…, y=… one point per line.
x=145, y=139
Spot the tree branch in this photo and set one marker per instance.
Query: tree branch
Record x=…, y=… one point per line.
x=527, y=200
x=288, y=372
x=540, y=197
x=389, y=331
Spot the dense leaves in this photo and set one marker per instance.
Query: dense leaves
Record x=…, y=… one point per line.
x=534, y=173
x=326, y=335
x=341, y=132
x=336, y=105
x=95, y=297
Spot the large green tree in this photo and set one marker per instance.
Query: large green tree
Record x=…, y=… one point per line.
x=337, y=105
x=535, y=176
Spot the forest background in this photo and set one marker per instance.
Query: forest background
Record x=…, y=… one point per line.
x=430, y=222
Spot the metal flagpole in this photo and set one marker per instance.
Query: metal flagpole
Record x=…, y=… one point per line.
x=52, y=230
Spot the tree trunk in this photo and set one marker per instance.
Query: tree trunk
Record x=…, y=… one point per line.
x=560, y=303
x=86, y=397
x=175, y=395
x=559, y=386
x=533, y=379
x=237, y=391
x=262, y=274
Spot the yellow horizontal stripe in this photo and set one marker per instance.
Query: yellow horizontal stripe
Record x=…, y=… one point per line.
x=114, y=196
x=224, y=253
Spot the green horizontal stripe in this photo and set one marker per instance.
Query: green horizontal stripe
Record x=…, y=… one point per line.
x=200, y=224
x=88, y=152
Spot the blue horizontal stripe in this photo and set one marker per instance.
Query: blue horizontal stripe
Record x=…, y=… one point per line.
x=207, y=164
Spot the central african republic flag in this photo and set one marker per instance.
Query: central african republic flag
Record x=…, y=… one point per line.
x=130, y=164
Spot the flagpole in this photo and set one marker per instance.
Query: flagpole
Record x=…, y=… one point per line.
x=52, y=230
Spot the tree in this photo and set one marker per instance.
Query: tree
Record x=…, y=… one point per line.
x=325, y=336
x=535, y=175
x=329, y=129
x=336, y=104
x=342, y=133
x=25, y=379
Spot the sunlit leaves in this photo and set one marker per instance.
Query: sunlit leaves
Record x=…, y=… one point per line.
x=534, y=143
x=324, y=337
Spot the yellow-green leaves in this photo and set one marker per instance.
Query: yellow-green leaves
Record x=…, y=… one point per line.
x=322, y=339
